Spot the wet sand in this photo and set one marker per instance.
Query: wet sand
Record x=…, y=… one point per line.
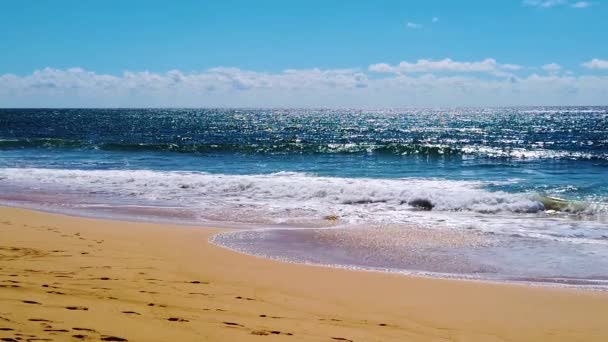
x=67, y=279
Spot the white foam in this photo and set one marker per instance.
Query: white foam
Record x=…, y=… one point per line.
x=303, y=200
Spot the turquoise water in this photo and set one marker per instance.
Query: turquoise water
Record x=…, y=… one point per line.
x=514, y=193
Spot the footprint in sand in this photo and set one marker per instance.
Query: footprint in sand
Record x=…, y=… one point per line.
x=131, y=312
x=232, y=324
x=177, y=319
x=113, y=338
x=198, y=282
x=269, y=332
x=83, y=308
x=276, y=332
x=275, y=317
x=56, y=292
x=260, y=332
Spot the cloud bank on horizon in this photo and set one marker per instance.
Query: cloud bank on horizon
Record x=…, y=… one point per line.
x=314, y=53
x=421, y=83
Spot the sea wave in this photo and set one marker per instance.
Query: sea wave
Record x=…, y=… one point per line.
x=299, y=147
x=301, y=189
x=307, y=200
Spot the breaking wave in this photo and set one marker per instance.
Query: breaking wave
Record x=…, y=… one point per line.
x=298, y=147
x=292, y=189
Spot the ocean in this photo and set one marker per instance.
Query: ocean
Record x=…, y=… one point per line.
x=500, y=194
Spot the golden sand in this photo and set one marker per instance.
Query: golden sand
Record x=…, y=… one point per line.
x=68, y=279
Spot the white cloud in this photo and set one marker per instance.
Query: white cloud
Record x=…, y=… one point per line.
x=414, y=26
x=544, y=3
x=234, y=87
x=552, y=67
x=596, y=64
x=581, y=4
x=555, y=3
x=435, y=20
x=488, y=65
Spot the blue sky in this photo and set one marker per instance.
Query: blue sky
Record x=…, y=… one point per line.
x=306, y=53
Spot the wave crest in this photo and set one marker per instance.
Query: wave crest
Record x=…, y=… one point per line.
x=294, y=147
x=292, y=188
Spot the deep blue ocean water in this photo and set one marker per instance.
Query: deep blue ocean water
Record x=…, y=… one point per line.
x=516, y=193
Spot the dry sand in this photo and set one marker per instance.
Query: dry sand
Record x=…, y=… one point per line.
x=67, y=279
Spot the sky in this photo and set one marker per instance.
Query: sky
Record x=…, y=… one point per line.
x=312, y=53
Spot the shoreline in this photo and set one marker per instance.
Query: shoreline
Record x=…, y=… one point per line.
x=423, y=274
x=116, y=269
x=227, y=227
x=509, y=242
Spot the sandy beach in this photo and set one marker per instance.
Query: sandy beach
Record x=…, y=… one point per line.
x=67, y=278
